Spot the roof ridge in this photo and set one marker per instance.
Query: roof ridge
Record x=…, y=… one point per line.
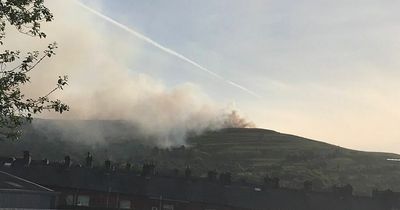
x=24, y=180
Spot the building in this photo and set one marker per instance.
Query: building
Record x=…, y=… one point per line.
x=18, y=193
x=107, y=187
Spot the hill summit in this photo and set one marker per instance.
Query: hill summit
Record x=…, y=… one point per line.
x=250, y=154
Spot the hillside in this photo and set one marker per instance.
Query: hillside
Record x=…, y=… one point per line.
x=252, y=153
x=249, y=154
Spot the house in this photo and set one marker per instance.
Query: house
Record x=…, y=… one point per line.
x=109, y=187
x=19, y=193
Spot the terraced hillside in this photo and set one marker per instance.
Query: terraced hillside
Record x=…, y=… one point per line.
x=249, y=154
x=252, y=153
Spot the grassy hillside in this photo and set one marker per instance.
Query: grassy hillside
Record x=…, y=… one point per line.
x=252, y=153
x=249, y=154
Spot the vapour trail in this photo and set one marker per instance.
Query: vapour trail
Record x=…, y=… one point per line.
x=166, y=49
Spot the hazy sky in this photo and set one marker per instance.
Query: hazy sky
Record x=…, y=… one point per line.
x=327, y=70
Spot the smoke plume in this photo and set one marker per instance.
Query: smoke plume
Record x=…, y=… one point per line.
x=103, y=87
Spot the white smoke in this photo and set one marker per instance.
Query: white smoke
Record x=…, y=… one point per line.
x=103, y=87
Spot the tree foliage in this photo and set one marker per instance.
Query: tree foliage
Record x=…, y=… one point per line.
x=15, y=109
x=25, y=15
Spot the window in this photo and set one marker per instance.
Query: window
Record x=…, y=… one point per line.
x=83, y=200
x=168, y=207
x=124, y=204
x=69, y=200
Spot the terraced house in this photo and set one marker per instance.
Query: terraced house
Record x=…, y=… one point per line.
x=107, y=187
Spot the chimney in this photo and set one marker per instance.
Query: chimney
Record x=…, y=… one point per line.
x=107, y=164
x=67, y=161
x=128, y=166
x=45, y=162
x=89, y=160
x=188, y=172
x=27, y=158
x=225, y=178
x=212, y=175
x=148, y=169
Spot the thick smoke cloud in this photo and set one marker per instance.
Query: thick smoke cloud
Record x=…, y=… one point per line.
x=102, y=87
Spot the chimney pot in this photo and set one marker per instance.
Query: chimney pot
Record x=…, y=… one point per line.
x=27, y=158
x=128, y=166
x=67, y=161
x=212, y=175
x=188, y=172
x=107, y=164
x=89, y=160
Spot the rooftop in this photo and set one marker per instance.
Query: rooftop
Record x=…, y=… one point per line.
x=9, y=182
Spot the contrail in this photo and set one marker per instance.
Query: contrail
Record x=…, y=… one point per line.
x=165, y=49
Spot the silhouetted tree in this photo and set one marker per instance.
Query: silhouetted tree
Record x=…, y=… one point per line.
x=15, y=108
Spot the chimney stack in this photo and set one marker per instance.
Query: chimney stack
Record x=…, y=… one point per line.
x=148, y=169
x=89, y=160
x=67, y=161
x=212, y=175
x=128, y=166
x=225, y=178
x=27, y=158
x=107, y=164
x=45, y=162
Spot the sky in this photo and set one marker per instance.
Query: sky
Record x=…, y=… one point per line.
x=326, y=70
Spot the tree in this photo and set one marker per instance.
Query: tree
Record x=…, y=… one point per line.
x=15, y=109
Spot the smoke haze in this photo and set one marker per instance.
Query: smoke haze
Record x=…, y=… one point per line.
x=103, y=87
